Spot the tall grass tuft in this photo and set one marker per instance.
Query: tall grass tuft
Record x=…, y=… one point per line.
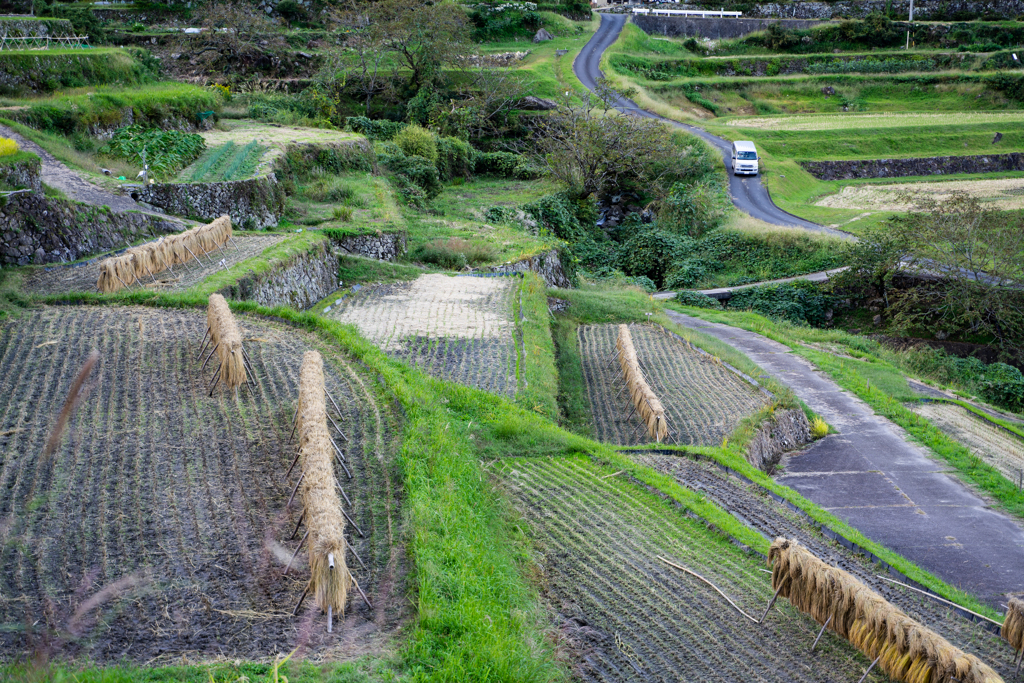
x=8, y=147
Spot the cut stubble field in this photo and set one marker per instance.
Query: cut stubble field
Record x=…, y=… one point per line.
x=159, y=529
x=1003, y=194
x=704, y=400
x=455, y=328
x=83, y=277
x=995, y=446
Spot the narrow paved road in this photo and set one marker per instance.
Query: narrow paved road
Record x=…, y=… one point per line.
x=74, y=186
x=748, y=193
x=889, y=489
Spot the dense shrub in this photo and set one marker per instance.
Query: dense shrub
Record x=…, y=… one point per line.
x=558, y=214
x=454, y=158
x=505, y=165
x=695, y=209
x=798, y=302
x=691, y=298
x=496, y=20
x=417, y=141
x=375, y=129
x=454, y=253
x=652, y=252
x=416, y=177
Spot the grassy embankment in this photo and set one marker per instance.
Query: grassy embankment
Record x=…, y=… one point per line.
x=30, y=72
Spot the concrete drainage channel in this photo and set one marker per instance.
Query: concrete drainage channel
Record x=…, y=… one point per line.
x=825, y=530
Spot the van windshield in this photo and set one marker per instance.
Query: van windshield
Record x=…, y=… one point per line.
x=747, y=156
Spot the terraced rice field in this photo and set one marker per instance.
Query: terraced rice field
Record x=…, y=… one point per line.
x=879, y=120
x=168, y=507
x=623, y=614
x=1002, y=194
x=993, y=445
x=454, y=328
x=703, y=400
x=82, y=277
x=772, y=519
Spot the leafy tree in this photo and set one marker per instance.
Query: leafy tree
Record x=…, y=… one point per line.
x=652, y=252
x=425, y=37
x=967, y=267
x=873, y=261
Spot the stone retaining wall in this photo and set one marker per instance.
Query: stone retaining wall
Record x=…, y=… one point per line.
x=716, y=28
x=547, y=265
x=901, y=168
x=23, y=174
x=253, y=204
x=923, y=9
x=35, y=28
x=785, y=431
x=385, y=246
x=37, y=229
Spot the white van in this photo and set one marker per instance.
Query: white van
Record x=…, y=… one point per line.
x=744, y=158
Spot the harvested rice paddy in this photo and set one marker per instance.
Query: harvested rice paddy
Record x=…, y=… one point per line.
x=82, y=277
x=1003, y=194
x=994, y=445
x=772, y=519
x=623, y=614
x=703, y=400
x=168, y=506
x=455, y=328
x=879, y=120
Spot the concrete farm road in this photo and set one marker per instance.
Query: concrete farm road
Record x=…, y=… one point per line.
x=892, y=490
x=748, y=194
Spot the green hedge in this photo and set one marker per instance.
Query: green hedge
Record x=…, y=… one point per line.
x=35, y=71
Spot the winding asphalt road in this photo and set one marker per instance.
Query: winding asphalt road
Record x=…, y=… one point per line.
x=892, y=490
x=748, y=193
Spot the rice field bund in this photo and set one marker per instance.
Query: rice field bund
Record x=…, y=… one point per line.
x=171, y=495
x=459, y=328
x=703, y=400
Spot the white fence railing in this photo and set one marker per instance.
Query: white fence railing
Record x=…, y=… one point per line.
x=686, y=12
x=43, y=42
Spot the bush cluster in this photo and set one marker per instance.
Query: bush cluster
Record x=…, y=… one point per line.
x=800, y=302
x=498, y=20
x=998, y=383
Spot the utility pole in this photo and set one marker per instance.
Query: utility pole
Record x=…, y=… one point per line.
x=911, y=21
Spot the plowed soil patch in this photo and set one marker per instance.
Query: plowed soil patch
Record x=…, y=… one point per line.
x=83, y=277
x=164, y=509
x=997, y=447
x=455, y=328
x=703, y=400
x=772, y=519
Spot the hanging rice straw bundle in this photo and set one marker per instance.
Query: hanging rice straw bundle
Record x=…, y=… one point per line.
x=227, y=339
x=153, y=257
x=1013, y=624
x=331, y=579
x=116, y=273
x=906, y=650
x=647, y=404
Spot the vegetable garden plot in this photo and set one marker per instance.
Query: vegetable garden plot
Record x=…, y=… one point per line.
x=771, y=519
x=703, y=400
x=82, y=278
x=626, y=615
x=997, y=447
x=169, y=505
x=455, y=328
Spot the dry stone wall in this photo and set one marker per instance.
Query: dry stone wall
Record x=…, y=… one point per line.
x=254, y=204
x=385, y=246
x=716, y=28
x=923, y=9
x=902, y=168
x=23, y=174
x=785, y=431
x=546, y=264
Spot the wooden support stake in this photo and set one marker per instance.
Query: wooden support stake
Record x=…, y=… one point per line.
x=864, y=677
x=203, y=369
x=336, y=425
x=355, y=555
x=289, y=566
x=768, y=609
x=340, y=461
x=213, y=385
x=330, y=618
x=292, y=497
x=343, y=494
x=337, y=409
x=203, y=344
x=299, y=604
x=821, y=632
x=297, y=454
x=354, y=526
x=360, y=589
x=201, y=264
x=298, y=525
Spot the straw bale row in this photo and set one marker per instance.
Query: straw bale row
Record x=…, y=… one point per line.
x=906, y=650
x=324, y=520
x=227, y=341
x=646, y=403
x=148, y=259
x=1013, y=624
